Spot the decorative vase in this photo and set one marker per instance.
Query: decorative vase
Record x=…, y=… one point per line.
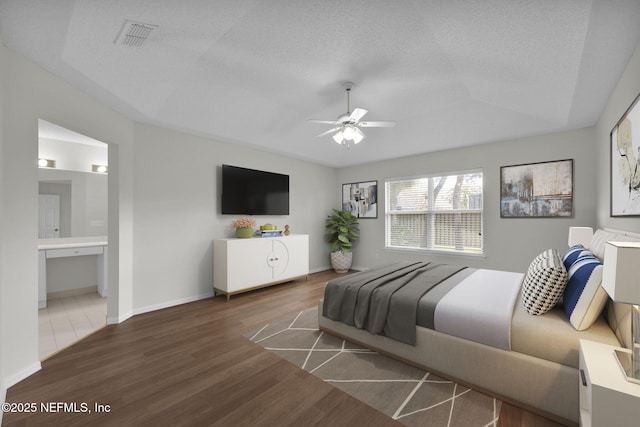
x=244, y=232
x=341, y=261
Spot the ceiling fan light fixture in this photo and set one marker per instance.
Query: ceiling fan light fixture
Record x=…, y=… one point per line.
x=357, y=136
x=338, y=137
x=348, y=132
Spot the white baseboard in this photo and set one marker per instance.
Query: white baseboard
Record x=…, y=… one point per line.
x=168, y=304
x=319, y=269
x=154, y=307
x=119, y=319
x=19, y=376
x=72, y=292
x=328, y=267
x=6, y=383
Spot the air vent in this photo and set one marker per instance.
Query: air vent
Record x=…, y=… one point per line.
x=134, y=33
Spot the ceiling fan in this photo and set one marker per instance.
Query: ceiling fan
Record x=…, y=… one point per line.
x=347, y=126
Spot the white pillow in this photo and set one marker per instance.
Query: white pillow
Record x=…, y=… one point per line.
x=601, y=237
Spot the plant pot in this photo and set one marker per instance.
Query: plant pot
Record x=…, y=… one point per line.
x=244, y=232
x=341, y=261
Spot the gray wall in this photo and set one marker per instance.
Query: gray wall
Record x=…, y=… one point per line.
x=510, y=243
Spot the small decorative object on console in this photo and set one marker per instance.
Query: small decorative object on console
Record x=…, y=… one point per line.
x=244, y=227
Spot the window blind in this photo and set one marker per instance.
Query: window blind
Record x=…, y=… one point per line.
x=435, y=212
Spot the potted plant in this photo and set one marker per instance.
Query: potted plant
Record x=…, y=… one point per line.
x=342, y=230
x=244, y=227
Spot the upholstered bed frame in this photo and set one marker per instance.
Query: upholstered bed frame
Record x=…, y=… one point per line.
x=540, y=373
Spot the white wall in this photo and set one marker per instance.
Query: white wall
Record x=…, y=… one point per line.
x=509, y=243
x=177, y=210
x=4, y=320
x=621, y=98
x=19, y=271
x=30, y=93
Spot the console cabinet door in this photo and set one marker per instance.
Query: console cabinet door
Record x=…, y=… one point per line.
x=279, y=259
x=298, y=255
x=248, y=263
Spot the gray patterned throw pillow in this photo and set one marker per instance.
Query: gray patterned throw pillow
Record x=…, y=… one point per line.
x=544, y=283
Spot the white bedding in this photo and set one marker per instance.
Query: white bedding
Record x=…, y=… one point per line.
x=480, y=308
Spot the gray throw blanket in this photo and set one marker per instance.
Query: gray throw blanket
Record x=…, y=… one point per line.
x=340, y=294
x=384, y=300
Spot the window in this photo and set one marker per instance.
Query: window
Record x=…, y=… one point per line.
x=435, y=212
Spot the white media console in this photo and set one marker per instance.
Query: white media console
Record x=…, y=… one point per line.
x=241, y=265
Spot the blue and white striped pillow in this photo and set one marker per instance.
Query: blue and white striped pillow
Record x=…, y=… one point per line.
x=571, y=255
x=584, y=299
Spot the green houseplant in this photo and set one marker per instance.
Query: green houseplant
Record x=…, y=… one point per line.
x=342, y=231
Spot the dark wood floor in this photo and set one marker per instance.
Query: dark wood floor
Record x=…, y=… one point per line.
x=191, y=365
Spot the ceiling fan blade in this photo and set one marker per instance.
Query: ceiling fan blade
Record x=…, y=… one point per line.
x=357, y=114
x=377, y=124
x=329, y=131
x=326, y=122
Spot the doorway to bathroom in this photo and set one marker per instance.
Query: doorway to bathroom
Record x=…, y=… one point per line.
x=72, y=237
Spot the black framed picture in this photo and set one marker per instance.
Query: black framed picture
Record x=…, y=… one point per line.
x=361, y=198
x=625, y=163
x=537, y=190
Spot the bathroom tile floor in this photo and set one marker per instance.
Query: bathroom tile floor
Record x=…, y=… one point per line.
x=67, y=320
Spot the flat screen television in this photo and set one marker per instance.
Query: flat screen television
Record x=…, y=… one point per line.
x=254, y=192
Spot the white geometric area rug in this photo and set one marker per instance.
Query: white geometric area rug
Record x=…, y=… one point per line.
x=409, y=395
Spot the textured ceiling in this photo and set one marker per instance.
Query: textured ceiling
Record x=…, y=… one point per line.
x=450, y=73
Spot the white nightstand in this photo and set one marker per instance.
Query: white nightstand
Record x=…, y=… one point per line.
x=606, y=398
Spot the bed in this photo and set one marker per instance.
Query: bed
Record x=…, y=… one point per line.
x=531, y=360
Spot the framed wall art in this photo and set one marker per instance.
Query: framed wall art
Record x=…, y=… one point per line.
x=361, y=198
x=537, y=190
x=625, y=163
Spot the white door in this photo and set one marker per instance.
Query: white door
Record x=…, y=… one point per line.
x=49, y=216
